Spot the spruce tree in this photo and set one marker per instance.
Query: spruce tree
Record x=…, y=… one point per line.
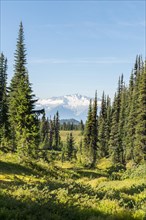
x=87, y=136
x=140, y=129
x=122, y=121
x=133, y=109
x=51, y=133
x=94, y=133
x=4, y=123
x=88, y=127
x=114, y=135
x=44, y=131
x=91, y=135
x=24, y=123
x=116, y=149
x=102, y=128
x=81, y=127
x=108, y=124
x=57, y=131
x=130, y=121
x=80, y=147
x=70, y=146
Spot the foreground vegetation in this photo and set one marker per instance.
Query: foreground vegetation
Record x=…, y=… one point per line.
x=56, y=191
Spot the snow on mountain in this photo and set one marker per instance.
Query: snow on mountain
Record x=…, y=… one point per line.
x=69, y=106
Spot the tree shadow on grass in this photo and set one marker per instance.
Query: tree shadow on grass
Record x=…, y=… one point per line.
x=90, y=174
x=115, y=168
x=13, y=168
x=12, y=208
x=134, y=189
x=53, y=173
x=10, y=184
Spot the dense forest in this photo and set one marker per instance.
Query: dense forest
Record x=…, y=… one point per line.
x=117, y=134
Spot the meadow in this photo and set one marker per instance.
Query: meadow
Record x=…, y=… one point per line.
x=76, y=134
x=66, y=191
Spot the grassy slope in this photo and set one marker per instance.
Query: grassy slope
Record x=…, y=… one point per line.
x=67, y=192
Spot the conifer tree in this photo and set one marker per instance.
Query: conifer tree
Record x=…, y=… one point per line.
x=81, y=147
x=94, y=133
x=122, y=121
x=4, y=123
x=51, y=133
x=130, y=121
x=44, y=130
x=91, y=135
x=114, y=135
x=116, y=149
x=108, y=124
x=57, y=130
x=87, y=136
x=24, y=123
x=132, y=108
x=102, y=120
x=140, y=129
x=70, y=146
x=88, y=126
x=81, y=127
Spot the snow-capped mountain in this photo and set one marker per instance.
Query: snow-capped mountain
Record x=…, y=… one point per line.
x=69, y=106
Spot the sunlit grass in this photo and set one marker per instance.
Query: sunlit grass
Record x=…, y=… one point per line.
x=76, y=134
x=68, y=191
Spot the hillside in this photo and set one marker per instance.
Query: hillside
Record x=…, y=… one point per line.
x=56, y=191
x=69, y=121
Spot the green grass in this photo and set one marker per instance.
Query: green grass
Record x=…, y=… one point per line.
x=57, y=191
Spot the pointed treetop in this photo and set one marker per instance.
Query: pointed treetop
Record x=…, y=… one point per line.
x=20, y=53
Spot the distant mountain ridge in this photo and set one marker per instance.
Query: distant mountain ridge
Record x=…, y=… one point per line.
x=69, y=121
x=69, y=106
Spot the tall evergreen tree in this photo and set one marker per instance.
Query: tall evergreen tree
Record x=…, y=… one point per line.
x=115, y=148
x=102, y=120
x=51, y=133
x=44, y=130
x=4, y=123
x=91, y=135
x=24, y=123
x=114, y=135
x=108, y=124
x=94, y=134
x=57, y=131
x=70, y=146
x=133, y=107
x=140, y=129
x=130, y=121
x=81, y=127
x=87, y=136
x=122, y=121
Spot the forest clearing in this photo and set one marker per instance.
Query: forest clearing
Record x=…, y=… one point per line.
x=74, y=148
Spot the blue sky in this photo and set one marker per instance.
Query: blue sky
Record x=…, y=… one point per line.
x=75, y=46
